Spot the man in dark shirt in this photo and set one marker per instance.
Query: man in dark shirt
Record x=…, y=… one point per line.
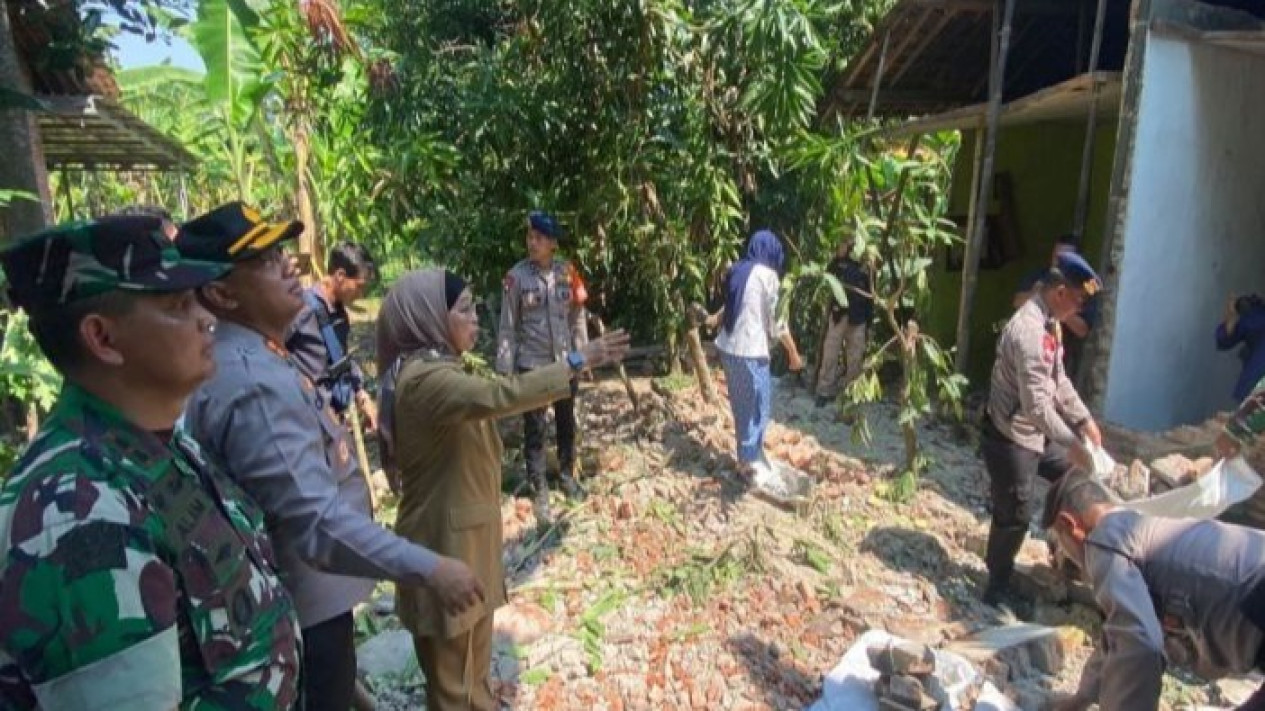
x=1244, y=323
x=848, y=325
x=318, y=339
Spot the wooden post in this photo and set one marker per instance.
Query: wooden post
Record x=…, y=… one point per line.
x=695, y=316
x=1091, y=125
x=22, y=166
x=878, y=77
x=970, y=268
x=623, y=373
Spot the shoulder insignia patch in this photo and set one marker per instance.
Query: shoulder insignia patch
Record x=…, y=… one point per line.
x=508, y=282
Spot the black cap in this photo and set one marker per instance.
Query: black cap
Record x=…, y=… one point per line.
x=231, y=233
x=77, y=260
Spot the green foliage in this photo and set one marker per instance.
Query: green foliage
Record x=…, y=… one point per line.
x=592, y=630
x=234, y=69
x=890, y=207
x=26, y=375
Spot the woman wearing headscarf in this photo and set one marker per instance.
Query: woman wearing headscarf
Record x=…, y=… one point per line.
x=438, y=427
x=749, y=323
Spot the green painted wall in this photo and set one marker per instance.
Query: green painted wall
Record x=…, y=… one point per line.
x=1043, y=161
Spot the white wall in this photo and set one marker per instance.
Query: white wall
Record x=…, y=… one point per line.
x=1194, y=232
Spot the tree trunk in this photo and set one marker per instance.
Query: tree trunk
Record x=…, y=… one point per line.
x=908, y=361
x=309, y=241
x=23, y=167
x=698, y=360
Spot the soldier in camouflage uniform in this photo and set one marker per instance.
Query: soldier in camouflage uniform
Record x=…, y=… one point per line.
x=542, y=321
x=134, y=574
x=1241, y=436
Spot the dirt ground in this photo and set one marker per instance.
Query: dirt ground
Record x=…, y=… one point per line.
x=674, y=587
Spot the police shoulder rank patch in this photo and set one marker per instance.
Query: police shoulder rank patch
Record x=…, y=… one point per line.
x=508, y=282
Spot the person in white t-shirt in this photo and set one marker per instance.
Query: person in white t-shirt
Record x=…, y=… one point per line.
x=748, y=322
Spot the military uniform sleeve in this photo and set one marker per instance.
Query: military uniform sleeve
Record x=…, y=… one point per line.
x=87, y=607
x=272, y=444
x=1248, y=421
x=449, y=395
x=1130, y=671
x=507, y=332
x=1037, y=390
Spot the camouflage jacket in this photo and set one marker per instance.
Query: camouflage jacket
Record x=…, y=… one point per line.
x=542, y=318
x=135, y=576
x=1248, y=420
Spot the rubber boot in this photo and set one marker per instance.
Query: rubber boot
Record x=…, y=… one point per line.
x=570, y=486
x=1004, y=543
x=540, y=499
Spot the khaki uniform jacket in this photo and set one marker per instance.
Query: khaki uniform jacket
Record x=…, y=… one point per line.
x=1173, y=591
x=541, y=320
x=1030, y=397
x=449, y=453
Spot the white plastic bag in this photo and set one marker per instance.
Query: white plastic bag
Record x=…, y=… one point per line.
x=1104, y=465
x=850, y=685
x=1226, y=484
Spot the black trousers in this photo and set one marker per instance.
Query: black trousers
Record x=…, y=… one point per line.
x=1012, y=472
x=329, y=664
x=534, y=437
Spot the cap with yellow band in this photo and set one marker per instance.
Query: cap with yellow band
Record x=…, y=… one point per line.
x=233, y=232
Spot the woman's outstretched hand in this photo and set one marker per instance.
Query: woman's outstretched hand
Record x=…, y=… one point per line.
x=606, y=350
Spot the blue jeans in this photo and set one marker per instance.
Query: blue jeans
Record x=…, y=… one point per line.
x=751, y=398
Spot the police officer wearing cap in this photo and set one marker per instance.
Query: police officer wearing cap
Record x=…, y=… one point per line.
x=268, y=425
x=134, y=574
x=1036, y=422
x=542, y=322
x=1175, y=592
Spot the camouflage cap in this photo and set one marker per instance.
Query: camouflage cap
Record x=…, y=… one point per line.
x=232, y=232
x=77, y=260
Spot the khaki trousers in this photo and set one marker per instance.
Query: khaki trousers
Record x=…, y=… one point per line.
x=457, y=670
x=841, y=334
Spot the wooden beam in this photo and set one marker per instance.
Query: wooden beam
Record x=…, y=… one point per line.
x=922, y=45
x=917, y=96
x=975, y=244
x=1091, y=125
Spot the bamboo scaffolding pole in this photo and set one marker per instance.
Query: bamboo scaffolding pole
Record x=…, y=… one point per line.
x=1002, y=22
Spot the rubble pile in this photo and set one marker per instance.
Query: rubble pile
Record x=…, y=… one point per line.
x=906, y=672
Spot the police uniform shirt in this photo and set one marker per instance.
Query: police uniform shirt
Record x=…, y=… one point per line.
x=262, y=419
x=1030, y=396
x=1172, y=589
x=541, y=320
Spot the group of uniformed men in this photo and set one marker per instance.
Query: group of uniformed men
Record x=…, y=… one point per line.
x=1173, y=592
x=190, y=528
x=215, y=564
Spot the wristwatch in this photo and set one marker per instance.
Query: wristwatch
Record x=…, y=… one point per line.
x=575, y=359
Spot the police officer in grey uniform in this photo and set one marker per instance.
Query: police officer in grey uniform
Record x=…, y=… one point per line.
x=1035, y=420
x=1175, y=591
x=266, y=424
x=542, y=321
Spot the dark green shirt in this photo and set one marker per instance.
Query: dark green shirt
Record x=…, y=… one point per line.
x=134, y=575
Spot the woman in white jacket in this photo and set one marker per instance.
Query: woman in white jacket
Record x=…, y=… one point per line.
x=749, y=323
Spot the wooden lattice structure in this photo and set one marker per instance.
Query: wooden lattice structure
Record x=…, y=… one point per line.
x=929, y=56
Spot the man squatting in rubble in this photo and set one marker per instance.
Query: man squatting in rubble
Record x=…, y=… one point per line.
x=1174, y=591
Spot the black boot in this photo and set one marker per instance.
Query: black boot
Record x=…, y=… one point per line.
x=570, y=485
x=1004, y=543
x=540, y=499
